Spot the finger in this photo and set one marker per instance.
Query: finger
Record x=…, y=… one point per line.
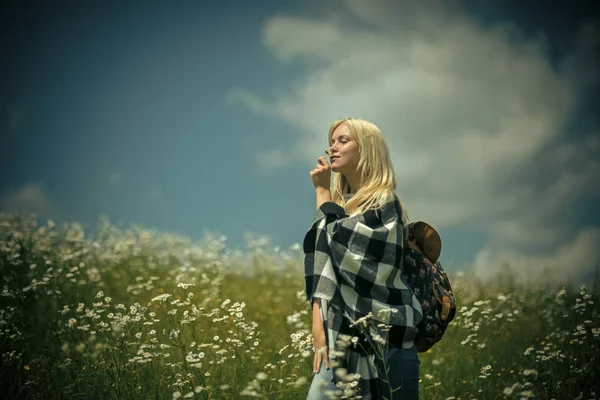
x=322, y=161
x=317, y=363
x=326, y=358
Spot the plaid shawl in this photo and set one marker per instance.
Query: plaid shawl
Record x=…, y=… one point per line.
x=353, y=267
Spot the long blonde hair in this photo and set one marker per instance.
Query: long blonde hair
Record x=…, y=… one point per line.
x=378, y=179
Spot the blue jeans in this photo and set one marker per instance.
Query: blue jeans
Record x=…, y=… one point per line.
x=403, y=375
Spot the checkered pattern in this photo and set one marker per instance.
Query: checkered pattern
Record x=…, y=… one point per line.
x=353, y=266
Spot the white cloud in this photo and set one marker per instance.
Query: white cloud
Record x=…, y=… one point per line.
x=30, y=198
x=471, y=114
x=573, y=259
x=270, y=160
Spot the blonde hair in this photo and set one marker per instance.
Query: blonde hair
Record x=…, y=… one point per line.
x=378, y=179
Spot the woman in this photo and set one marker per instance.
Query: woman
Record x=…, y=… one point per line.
x=353, y=272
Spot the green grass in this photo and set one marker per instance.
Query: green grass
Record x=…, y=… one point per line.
x=80, y=318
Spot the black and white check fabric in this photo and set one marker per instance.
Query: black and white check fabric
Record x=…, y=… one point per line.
x=353, y=267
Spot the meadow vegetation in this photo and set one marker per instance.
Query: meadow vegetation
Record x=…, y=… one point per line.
x=139, y=314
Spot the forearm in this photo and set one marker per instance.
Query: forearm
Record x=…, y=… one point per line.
x=317, y=321
x=323, y=195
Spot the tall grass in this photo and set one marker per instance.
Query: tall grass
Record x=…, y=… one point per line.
x=135, y=314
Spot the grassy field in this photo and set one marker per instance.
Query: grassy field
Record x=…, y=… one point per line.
x=136, y=314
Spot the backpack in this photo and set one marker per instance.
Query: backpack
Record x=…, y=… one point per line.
x=429, y=282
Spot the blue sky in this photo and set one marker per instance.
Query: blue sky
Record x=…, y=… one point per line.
x=190, y=118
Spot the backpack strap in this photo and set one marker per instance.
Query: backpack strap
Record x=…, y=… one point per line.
x=445, y=300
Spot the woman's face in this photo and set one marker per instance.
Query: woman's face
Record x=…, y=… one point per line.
x=344, y=151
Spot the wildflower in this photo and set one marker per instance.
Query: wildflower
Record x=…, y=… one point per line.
x=300, y=381
x=484, y=371
x=261, y=376
x=510, y=389
x=379, y=339
x=184, y=285
x=161, y=297
x=341, y=373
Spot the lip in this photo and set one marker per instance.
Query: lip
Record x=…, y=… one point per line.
x=332, y=159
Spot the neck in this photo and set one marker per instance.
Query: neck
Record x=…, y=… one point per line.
x=353, y=181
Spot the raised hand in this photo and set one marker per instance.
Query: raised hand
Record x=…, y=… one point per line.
x=321, y=174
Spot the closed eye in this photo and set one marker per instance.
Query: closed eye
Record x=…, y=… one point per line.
x=341, y=141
